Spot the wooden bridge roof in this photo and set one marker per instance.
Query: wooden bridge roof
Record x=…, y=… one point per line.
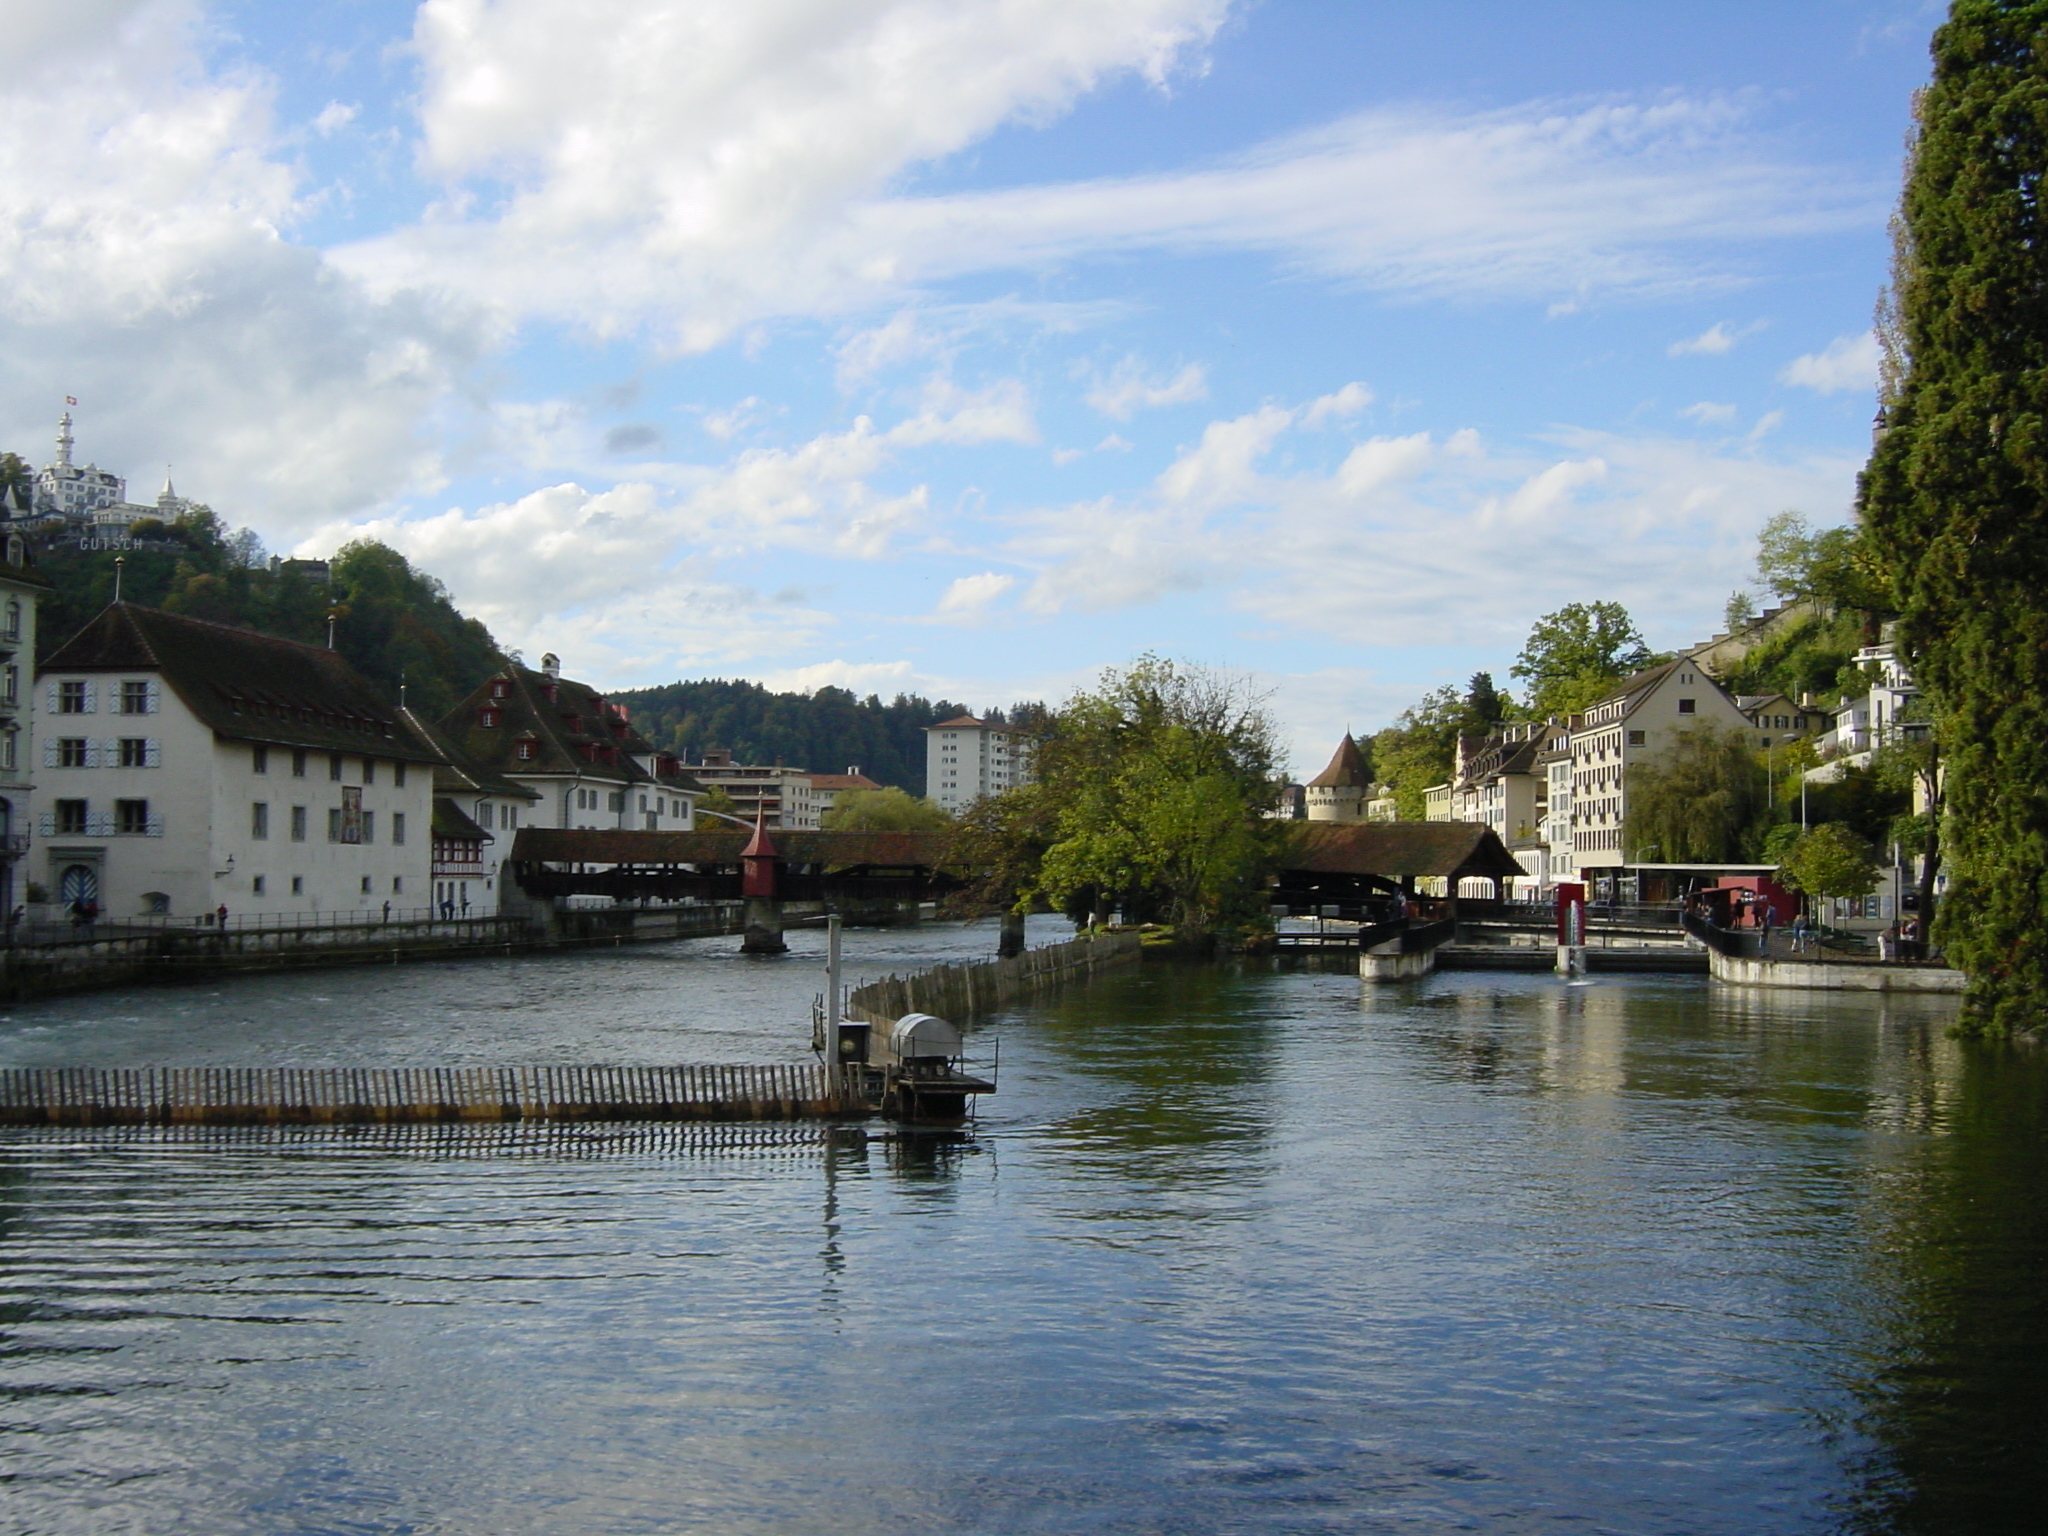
x=1400, y=850
x=888, y=850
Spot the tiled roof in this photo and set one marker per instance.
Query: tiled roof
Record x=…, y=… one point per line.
x=1397, y=850
x=1346, y=770
x=575, y=733
x=842, y=781
x=450, y=820
x=957, y=722
x=245, y=685
x=457, y=773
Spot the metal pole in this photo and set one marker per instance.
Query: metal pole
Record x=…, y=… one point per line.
x=831, y=976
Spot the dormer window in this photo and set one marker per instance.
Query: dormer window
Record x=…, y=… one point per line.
x=488, y=719
x=527, y=750
x=574, y=723
x=500, y=688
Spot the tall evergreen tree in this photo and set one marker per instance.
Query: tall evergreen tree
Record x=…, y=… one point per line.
x=1955, y=498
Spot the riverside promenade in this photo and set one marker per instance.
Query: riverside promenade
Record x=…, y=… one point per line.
x=48, y=959
x=1746, y=959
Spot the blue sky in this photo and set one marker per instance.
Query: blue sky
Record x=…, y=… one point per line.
x=970, y=348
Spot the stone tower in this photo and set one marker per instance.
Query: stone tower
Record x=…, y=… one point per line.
x=1338, y=792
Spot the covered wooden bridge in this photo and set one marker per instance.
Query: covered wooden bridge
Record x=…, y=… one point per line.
x=548, y=862
x=1366, y=871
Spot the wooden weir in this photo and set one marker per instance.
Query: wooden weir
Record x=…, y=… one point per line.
x=84, y=1096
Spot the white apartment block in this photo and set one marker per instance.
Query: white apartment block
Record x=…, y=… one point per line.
x=966, y=759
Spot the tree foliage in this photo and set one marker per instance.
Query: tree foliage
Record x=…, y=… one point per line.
x=1831, y=860
x=1699, y=802
x=1158, y=783
x=826, y=731
x=1952, y=500
x=1420, y=748
x=1578, y=653
x=887, y=809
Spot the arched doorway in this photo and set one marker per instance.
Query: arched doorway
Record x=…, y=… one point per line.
x=79, y=882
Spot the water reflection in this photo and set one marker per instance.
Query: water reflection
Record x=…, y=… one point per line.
x=1233, y=1250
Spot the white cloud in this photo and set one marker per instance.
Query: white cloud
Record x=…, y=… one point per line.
x=1848, y=362
x=1344, y=405
x=334, y=117
x=999, y=413
x=967, y=600
x=1223, y=468
x=1709, y=413
x=692, y=172
x=1127, y=391
x=143, y=268
x=1711, y=342
x=855, y=676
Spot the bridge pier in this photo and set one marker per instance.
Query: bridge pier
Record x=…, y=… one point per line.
x=1010, y=943
x=763, y=932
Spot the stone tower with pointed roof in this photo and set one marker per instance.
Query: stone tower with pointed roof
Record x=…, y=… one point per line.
x=1338, y=792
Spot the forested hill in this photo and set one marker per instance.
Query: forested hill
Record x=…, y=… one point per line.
x=394, y=623
x=827, y=732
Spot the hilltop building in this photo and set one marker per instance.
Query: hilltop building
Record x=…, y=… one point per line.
x=241, y=771
x=90, y=504
x=968, y=759
x=576, y=752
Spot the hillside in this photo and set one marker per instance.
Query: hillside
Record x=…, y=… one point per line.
x=827, y=731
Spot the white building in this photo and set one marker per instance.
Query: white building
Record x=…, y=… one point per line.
x=21, y=588
x=574, y=749
x=1637, y=722
x=91, y=503
x=785, y=799
x=188, y=766
x=966, y=759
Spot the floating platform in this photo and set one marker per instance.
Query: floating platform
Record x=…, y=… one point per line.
x=84, y=1096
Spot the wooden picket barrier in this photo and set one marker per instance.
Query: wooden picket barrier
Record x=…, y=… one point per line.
x=84, y=1096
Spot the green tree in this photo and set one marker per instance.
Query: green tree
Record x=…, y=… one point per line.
x=1485, y=705
x=1833, y=566
x=1420, y=748
x=1698, y=801
x=15, y=473
x=1159, y=782
x=1952, y=498
x=1831, y=860
x=887, y=809
x=1578, y=653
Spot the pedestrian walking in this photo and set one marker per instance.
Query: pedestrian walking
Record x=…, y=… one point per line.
x=1802, y=930
x=221, y=913
x=1764, y=922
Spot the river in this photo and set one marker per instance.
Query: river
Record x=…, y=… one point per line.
x=1234, y=1249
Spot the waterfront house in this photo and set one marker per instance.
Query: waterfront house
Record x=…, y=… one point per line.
x=189, y=766
x=21, y=590
x=574, y=749
x=476, y=811
x=1636, y=722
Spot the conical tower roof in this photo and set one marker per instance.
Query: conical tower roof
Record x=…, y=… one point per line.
x=1347, y=768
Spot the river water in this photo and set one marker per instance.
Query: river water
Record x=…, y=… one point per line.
x=1233, y=1250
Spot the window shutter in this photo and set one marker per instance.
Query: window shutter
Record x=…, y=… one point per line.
x=151, y=692
x=49, y=698
x=152, y=752
x=93, y=753
x=50, y=746
x=91, y=695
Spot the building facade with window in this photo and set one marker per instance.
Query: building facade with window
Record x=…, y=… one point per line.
x=577, y=752
x=21, y=589
x=476, y=812
x=188, y=766
x=966, y=759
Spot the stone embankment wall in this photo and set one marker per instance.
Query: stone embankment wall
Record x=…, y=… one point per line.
x=1835, y=975
x=958, y=992
x=112, y=957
